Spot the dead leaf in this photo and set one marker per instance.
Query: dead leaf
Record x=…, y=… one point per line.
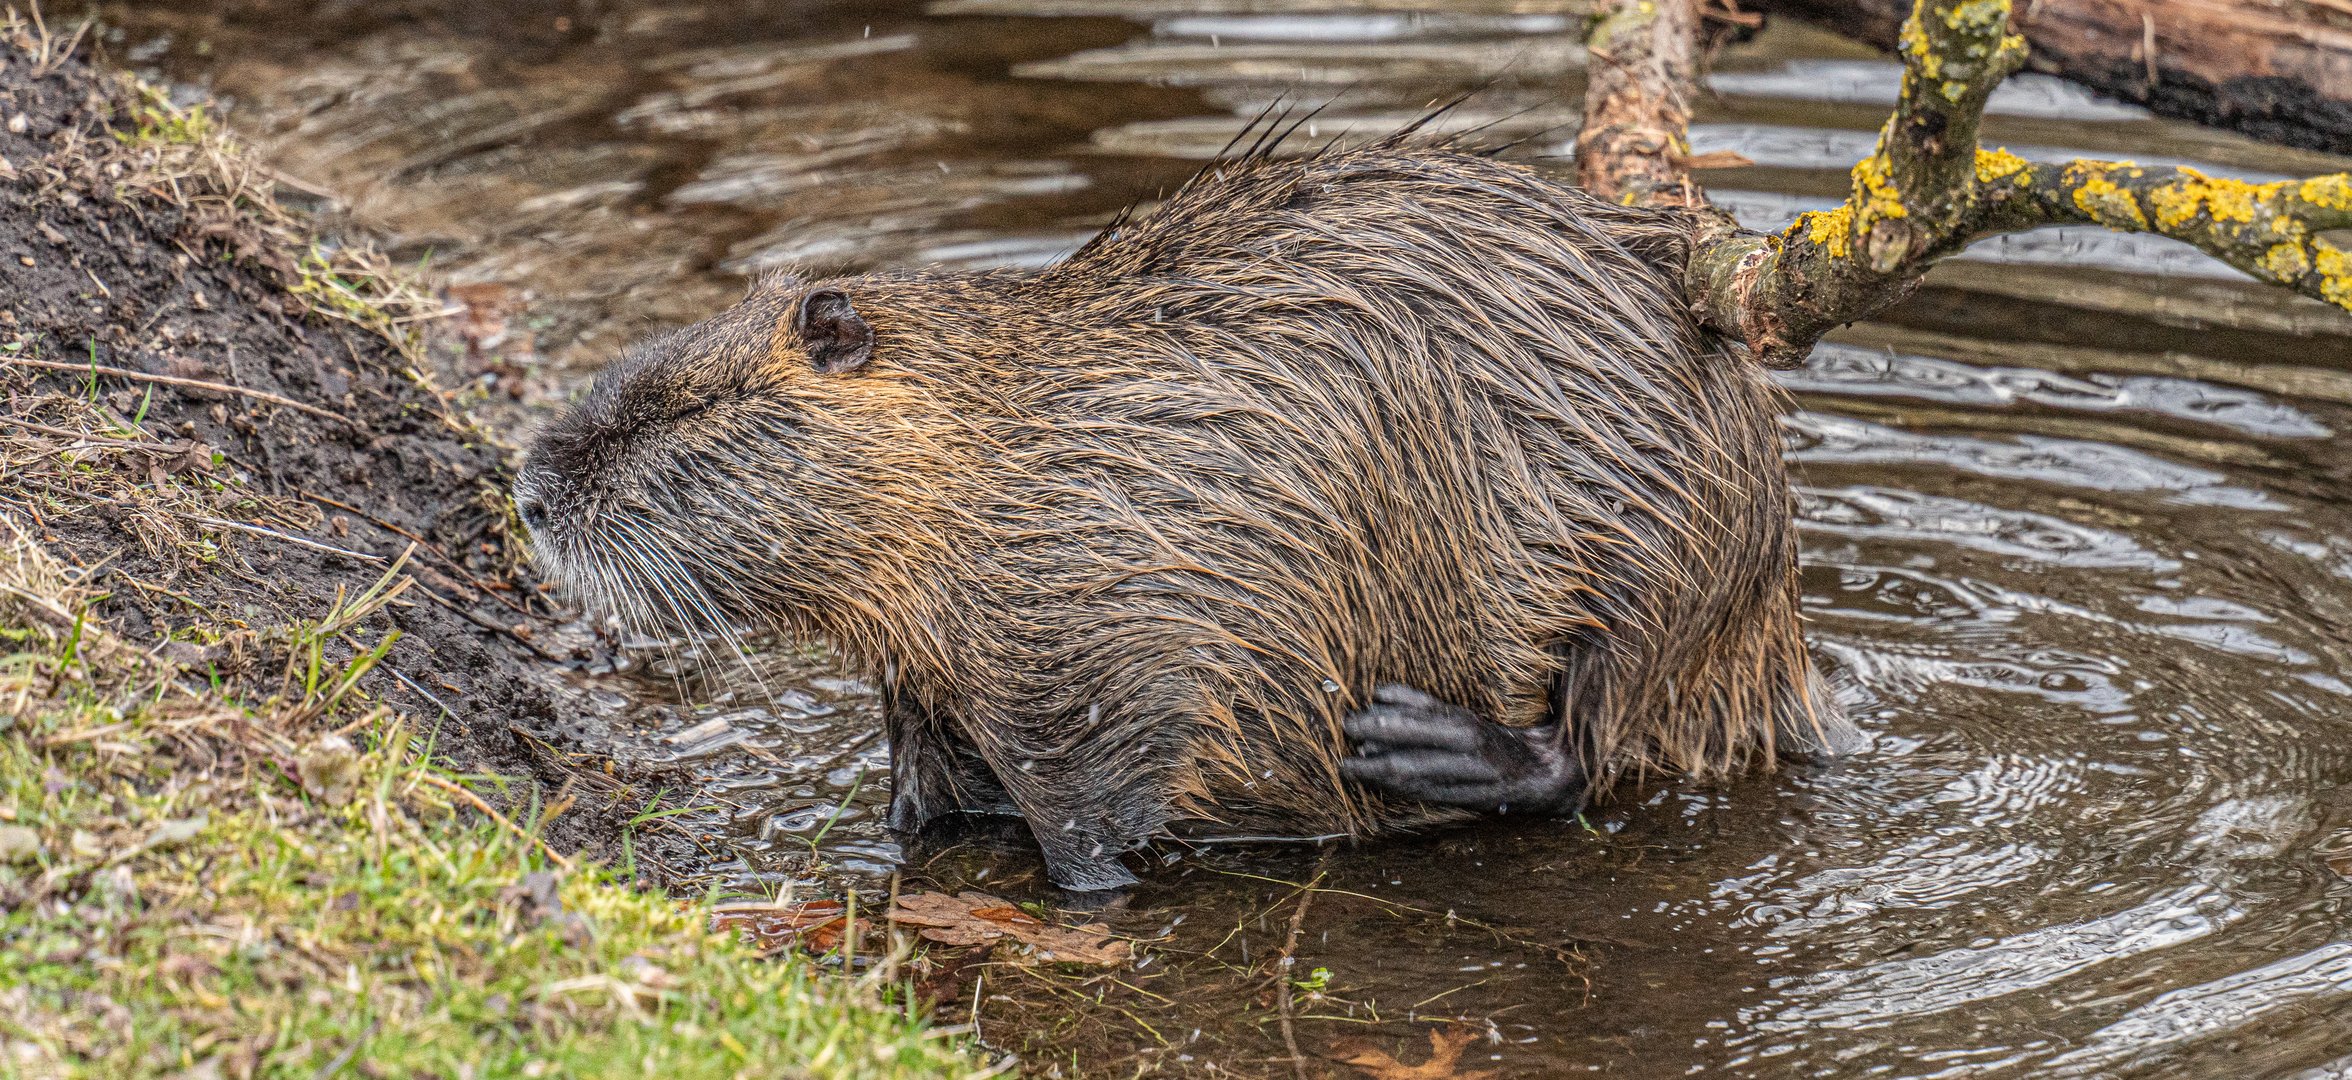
x=329, y=770
x=188, y=367
x=167, y=834
x=1717, y=159
x=972, y=918
x=815, y=925
x=195, y=457
x=484, y=308
x=19, y=844
x=1445, y=1050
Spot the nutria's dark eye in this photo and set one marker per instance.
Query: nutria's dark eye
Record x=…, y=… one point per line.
x=837, y=337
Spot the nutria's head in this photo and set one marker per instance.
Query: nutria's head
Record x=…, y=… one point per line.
x=708, y=479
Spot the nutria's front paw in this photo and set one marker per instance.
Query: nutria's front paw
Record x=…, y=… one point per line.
x=1080, y=864
x=1086, y=876
x=1418, y=747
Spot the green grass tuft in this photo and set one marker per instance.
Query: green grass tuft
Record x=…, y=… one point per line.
x=195, y=887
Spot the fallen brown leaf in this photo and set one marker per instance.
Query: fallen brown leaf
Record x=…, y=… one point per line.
x=483, y=310
x=1717, y=159
x=976, y=919
x=1445, y=1050
x=815, y=925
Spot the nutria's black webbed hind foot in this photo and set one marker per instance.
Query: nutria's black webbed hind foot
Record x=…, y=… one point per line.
x=1416, y=746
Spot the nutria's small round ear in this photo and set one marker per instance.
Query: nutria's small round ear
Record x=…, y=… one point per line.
x=837, y=337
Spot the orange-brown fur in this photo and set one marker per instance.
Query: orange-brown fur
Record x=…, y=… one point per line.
x=1107, y=532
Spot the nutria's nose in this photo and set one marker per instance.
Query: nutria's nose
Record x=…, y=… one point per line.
x=528, y=508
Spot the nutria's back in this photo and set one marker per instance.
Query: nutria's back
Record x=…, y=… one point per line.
x=1131, y=536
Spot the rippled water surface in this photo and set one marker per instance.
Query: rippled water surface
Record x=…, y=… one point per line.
x=2078, y=522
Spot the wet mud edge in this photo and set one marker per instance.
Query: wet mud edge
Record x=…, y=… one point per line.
x=96, y=271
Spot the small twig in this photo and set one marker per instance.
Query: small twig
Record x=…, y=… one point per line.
x=422, y=692
x=469, y=615
x=1283, y=961
x=188, y=384
x=978, y=980
x=57, y=616
x=170, y=592
x=476, y=802
x=89, y=437
x=274, y=534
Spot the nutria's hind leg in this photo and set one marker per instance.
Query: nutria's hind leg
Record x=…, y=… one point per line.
x=933, y=777
x=1084, y=811
x=932, y=772
x=1416, y=746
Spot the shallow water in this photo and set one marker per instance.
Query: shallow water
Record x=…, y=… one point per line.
x=2077, y=524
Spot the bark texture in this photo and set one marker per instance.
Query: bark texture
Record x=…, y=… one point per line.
x=1633, y=146
x=2278, y=70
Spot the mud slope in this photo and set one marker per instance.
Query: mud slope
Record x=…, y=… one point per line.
x=128, y=240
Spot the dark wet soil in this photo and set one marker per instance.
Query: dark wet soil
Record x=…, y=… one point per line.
x=183, y=286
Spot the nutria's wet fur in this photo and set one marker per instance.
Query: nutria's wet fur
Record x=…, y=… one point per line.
x=1128, y=539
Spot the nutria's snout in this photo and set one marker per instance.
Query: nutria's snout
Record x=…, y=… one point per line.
x=667, y=494
x=529, y=509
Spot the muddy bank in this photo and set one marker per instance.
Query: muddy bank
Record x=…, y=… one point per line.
x=227, y=422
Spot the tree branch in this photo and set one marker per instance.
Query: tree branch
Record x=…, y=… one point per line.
x=1634, y=145
x=2278, y=70
x=2270, y=231
x=1927, y=190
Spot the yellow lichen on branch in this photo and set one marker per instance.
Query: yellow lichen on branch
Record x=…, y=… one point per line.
x=1928, y=189
x=2274, y=231
x=1913, y=200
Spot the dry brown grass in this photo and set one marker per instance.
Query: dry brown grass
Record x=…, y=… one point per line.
x=36, y=589
x=30, y=32
x=195, y=882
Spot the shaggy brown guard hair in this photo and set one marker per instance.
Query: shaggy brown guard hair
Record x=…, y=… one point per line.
x=1125, y=540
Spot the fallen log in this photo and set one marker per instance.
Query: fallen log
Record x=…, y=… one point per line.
x=2277, y=70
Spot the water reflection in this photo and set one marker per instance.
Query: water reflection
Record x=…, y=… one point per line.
x=2074, y=517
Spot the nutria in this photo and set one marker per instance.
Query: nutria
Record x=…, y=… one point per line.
x=1399, y=445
